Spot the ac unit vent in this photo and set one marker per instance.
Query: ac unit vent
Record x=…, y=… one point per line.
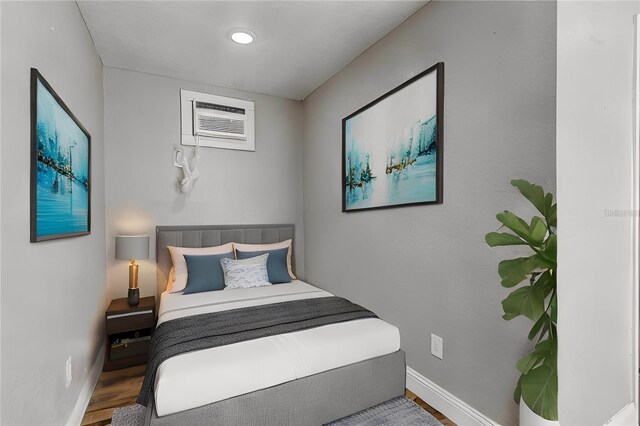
x=213, y=124
x=218, y=121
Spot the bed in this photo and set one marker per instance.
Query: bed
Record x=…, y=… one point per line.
x=307, y=377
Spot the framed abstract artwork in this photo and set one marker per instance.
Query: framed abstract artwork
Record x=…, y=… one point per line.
x=392, y=147
x=60, y=167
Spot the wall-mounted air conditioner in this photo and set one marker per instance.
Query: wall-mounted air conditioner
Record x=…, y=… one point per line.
x=220, y=122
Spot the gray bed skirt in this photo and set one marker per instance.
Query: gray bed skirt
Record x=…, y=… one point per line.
x=312, y=400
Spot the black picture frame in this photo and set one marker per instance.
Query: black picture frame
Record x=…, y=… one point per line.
x=359, y=178
x=59, y=129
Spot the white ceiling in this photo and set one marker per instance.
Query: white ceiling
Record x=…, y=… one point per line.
x=301, y=44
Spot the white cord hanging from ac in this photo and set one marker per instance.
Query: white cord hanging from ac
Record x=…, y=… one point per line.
x=191, y=171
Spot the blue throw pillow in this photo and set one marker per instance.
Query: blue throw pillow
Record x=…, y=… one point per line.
x=276, y=263
x=205, y=272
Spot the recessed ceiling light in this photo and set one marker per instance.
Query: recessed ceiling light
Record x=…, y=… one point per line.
x=242, y=36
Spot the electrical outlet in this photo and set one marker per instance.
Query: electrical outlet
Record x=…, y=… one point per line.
x=68, y=375
x=436, y=346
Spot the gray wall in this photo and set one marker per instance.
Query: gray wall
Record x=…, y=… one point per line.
x=53, y=293
x=142, y=123
x=426, y=269
x=595, y=105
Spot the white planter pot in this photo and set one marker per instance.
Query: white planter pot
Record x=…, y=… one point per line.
x=529, y=418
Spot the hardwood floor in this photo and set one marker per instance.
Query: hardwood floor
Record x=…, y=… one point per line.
x=435, y=413
x=114, y=389
x=120, y=388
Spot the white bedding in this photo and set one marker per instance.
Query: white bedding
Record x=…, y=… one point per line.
x=199, y=378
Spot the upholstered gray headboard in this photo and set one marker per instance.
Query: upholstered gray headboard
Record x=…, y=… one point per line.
x=212, y=235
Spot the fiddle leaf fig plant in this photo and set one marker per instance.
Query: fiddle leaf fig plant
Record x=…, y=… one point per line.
x=533, y=280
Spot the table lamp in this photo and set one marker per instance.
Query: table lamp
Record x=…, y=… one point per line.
x=132, y=247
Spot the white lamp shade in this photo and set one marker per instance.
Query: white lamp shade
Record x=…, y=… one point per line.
x=129, y=247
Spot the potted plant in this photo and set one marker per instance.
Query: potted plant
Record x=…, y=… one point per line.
x=535, y=298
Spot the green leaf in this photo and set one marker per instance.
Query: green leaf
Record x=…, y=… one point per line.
x=514, y=271
x=540, y=390
x=513, y=222
x=552, y=216
x=550, y=251
x=548, y=201
x=553, y=350
x=530, y=360
x=533, y=193
x=554, y=309
x=546, y=329
x=527, y=301
x=533, y=234
x=495, y=239
x=518, y=392
x=546, y=281
x=544, y=319
x=538, y=231
x=545, y=345
x=532, y=277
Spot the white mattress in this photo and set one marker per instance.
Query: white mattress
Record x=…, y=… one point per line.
x=202, y=377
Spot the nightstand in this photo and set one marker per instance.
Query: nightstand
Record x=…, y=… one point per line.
x=129, y=330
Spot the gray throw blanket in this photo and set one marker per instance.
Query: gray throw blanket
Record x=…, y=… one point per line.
x=215, y=329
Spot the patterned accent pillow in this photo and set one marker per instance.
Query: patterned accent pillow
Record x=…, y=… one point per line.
x=245, y=273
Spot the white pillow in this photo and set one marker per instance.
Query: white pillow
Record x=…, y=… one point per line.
x=245, y=273
x=180, y=264
x=272, y=246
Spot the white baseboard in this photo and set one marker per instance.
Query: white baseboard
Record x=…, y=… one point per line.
x=454, y=408
x=628, y=416
x=75, y=419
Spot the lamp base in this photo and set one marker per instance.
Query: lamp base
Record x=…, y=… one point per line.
x=134, y=296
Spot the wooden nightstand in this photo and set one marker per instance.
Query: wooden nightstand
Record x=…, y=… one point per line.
x=129, y=330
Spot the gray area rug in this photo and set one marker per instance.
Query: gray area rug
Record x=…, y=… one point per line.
x=131, y=415
x=396, y=411
x=399, y=411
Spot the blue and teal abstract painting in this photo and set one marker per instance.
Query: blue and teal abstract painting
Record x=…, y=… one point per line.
x=391, y=148
x=61, y=165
